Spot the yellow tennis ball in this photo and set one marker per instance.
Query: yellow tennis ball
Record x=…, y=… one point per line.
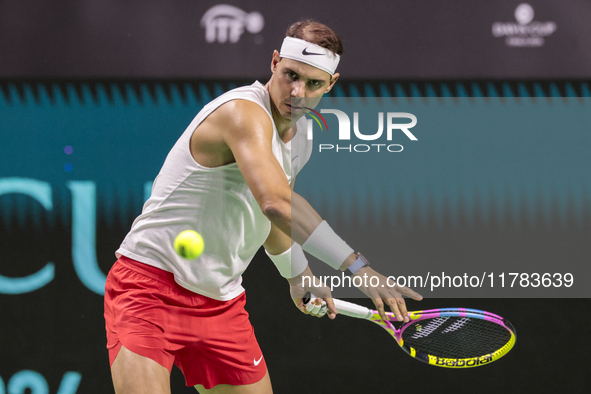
x=189, y=244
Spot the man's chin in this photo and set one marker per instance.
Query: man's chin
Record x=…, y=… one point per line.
x=294, y=112
x=294, y=116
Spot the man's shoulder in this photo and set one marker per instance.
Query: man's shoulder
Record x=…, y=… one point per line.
x=243, y=97
x=240, y=114
x=240, y=109
x=255, y=92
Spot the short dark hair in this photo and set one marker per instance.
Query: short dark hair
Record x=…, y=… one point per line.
x=316, y=33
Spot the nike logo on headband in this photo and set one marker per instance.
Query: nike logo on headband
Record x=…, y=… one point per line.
x=305, y=52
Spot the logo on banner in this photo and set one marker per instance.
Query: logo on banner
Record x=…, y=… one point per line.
x=226, y=23
x=526, y=32
x=315, y=117
x=344, y=133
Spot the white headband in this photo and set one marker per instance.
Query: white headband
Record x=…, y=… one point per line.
x=312, y=54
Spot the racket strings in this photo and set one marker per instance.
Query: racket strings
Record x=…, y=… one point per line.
x=455, y=337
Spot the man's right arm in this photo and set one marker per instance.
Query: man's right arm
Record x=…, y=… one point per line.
x=248, y=132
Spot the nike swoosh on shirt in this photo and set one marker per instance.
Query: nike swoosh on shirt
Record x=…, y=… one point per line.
x=294, y=158
x=305, y=52
x=257, y=362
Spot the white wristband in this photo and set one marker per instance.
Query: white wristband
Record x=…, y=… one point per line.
x=290, y=263
x=327, y=246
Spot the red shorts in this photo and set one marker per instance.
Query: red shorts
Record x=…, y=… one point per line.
x=212, y=342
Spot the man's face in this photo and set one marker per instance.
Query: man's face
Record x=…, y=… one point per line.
x=293, y=79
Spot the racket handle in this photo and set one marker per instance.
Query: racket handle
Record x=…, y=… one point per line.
x=345, y=308
x=352, y=310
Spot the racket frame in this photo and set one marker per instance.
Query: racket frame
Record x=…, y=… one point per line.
x=361, y=312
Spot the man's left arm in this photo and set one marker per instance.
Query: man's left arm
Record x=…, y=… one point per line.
x=280, y=244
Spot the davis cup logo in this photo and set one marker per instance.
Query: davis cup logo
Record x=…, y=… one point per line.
x=526, y=32
x=344, y=133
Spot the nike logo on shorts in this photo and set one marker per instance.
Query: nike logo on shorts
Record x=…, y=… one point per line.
x=257, y=362
x=305, y=52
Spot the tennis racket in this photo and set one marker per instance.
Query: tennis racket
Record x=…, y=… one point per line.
x=447, y=337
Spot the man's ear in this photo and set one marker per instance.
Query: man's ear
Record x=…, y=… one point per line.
x=333, y=80
x=275, y=60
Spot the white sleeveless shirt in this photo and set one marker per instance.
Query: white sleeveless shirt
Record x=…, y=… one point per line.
x=215, y=202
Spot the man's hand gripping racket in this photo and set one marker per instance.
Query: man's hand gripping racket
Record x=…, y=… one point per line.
x=448, y=337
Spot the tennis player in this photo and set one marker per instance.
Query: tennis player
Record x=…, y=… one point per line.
x=230, y=178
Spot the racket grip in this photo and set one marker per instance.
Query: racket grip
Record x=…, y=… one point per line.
x=352, y=310
x=345, y=308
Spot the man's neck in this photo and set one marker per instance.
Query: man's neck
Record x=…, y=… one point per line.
x=282, y=124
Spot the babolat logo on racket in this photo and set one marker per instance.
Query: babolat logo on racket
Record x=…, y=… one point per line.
x=388, y=124
x=464, y=362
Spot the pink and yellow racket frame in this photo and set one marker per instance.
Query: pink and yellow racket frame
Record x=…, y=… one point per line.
x=360, y=312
